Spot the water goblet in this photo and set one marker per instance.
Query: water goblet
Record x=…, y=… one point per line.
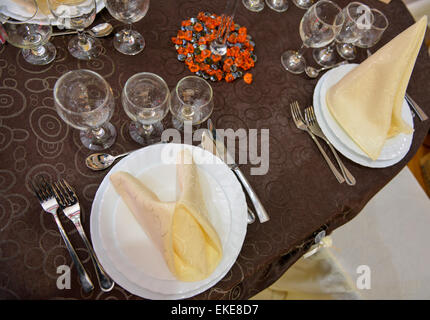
x=369, y=37
x=304, y=4
x=277, y=5
x=318, y=28
x=128, y=41
x=84, y=100
x=33, y=39
x=253, y=5
x=146, y=100
x=191, y=101
x=78, y=15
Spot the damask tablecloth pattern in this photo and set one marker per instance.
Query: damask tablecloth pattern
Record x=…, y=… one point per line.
x=299, y=191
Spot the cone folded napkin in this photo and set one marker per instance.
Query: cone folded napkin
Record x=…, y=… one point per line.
x=367, y=102
x=181, y=230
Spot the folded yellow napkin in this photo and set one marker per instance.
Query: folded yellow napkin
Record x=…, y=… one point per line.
x=367, y=102
x=181, y=230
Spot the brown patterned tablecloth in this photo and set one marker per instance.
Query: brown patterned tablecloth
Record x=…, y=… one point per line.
x=299, y=191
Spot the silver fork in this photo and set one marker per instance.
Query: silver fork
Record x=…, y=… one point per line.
x=313, y=125
x=300, y=124
x=45, y=194
x=69, y=203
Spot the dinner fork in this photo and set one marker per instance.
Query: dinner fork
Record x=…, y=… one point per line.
x=49, y=203
x=316, y=130
x=300, y=124
x=69, y=203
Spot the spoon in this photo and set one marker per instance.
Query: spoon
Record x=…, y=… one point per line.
x=98, y=31
x=101, y=161
x=314, y=72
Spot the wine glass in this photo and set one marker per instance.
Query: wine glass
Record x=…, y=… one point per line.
x=128, y=41
x=146, y=100
x=253, y=5
x=370, y=36
x=318, y=27
x=33, y=39
x=357, y=17
x=84, y=100
x=18, y=12
x=277, y=5
x=78, y=15
x=304, y=4
x=191, y=100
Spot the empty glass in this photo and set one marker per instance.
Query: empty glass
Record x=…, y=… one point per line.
x=78, y=15
x=84, y=100
x=191, y=100
x=253, y=5
x=277, y=5
x=128, y=41
x=146, y=100
x=357, y=17
x=318, y=28
x=304, y=4
x=33, y=39
x=219, y=45
x=372, y=35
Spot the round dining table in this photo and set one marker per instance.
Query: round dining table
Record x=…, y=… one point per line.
x=299, y=192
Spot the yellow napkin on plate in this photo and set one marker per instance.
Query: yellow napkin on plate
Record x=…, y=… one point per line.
x=367, y=102
x=182, y=230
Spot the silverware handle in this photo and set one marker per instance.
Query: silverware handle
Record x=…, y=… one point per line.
x=420, y=112
x=105, y=282
x=63, y=33
x=336, y=173
x=349, y=178
x=251, y=216
x=259, y=209
x=85, y=280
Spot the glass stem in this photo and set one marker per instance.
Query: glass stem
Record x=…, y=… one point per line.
x=83, y=41
x=39, y=51
x=301, y=51
x=98, y=133
x=128, y=37
x=147, y=129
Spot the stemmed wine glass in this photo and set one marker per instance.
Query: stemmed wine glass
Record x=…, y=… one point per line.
x=304, y=4
x=191, y=100
x=33, y=39
x=358, y=17
x=84, y=100
x=372, y=35
x=146, y=100
x=253, y=5
x=78, y=15
x=277, y=5
x=128, y=41
x=318, y=28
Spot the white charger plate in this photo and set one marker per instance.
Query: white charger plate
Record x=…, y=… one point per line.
x=122, y=246
x=17, y=12
x=394, y=149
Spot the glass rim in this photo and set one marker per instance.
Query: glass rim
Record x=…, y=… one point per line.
x=200, y=79
x=152, y=75
x=383, y=17
x=333, y=24
x=348, y=7
x=106, y=85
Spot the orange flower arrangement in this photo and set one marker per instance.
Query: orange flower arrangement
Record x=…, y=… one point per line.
x=192, y=45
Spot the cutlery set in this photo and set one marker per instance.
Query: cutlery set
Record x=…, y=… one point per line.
x=60, y=195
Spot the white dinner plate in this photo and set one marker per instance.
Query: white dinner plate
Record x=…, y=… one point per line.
x=394, y=149
x=16, y=11
x=123, y=248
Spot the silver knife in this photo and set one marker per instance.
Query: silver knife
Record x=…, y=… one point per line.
x=221, y=151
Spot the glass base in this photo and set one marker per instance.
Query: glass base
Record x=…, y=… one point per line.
x=90, y=50
x=304, y=4
x=253, y=5
x=277, y=5
x=293, y=62
x=325, y=57
x=146, y=137
x=218, y=48
x=346, y=51
x=107, y=139
x=129, y=42
x=43, y=55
